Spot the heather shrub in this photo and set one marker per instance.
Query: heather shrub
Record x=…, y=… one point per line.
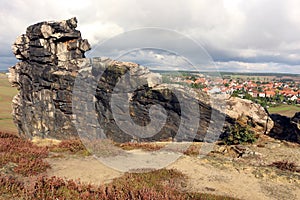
x=193, y=149
x=72, y=146
x=28, y=162
x=158, y=185
x=27, y=156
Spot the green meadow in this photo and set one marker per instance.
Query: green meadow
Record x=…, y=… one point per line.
x=286, y=110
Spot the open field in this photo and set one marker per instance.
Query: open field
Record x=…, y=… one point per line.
x=261, y=76
x=6, y=94
x=286, y=110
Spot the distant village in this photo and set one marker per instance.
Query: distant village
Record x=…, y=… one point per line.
x=265, y=90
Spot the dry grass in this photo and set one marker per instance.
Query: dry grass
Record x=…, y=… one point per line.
x=44, y=142
x=147, y=146
x=6, y=95
x=71, y=146
x=192, y=150
x=161, y=184
x=286, y=166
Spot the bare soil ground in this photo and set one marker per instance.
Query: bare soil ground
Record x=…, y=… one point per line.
x=87, y=169
x=242, y=172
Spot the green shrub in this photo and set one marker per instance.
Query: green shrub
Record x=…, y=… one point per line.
x=238, y=134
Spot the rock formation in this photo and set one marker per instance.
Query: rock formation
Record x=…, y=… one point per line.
x=246, y=112
x=286, y=128
x=52, y=60
x=50, y=53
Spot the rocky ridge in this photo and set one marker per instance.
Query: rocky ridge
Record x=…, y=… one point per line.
x=52, y=60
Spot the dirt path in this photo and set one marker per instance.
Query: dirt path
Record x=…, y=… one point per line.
x=87, y=169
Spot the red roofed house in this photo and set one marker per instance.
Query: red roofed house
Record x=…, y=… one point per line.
x=270, y=93
x=200, y=80
x=205, y=89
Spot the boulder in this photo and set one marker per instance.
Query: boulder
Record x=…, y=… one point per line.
x=286, y=128
x=248, y=113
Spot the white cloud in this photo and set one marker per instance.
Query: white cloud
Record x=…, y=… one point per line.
x=157, y=59
x=97, y=31
x=257, y=67
x=257, y=31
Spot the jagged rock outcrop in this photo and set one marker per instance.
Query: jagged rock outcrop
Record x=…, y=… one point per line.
x=286, y=128
x=52, y=55
x=248, y=113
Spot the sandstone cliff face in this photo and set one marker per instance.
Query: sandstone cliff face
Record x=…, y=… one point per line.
x=52, y=60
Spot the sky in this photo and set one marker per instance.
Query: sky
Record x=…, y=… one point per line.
x=233, y=35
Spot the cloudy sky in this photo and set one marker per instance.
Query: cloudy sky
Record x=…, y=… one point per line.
x=237, y=35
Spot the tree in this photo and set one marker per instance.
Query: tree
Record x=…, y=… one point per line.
x=248, y=96
x=193, y=78
x=197, y=86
